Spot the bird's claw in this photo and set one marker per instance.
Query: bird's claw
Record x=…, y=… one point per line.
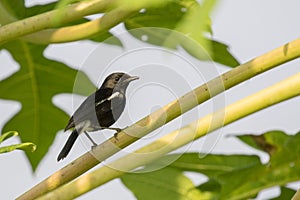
x=93, y=147
x=116, y=135
x=118, y=130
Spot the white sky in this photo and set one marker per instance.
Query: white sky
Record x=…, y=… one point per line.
x=250, y=27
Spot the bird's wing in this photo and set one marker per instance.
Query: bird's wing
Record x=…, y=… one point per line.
x=98, y=102
x=70, y=124
x=104, y=105
x=85, y=108
x=109, y=111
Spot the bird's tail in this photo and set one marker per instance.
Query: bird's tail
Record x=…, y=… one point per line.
x=70, y=142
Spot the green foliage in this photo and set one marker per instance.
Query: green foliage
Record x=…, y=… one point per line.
x=168, y=184
x=231, y=176
x=212, y=165
x=34, y=85
x=181, y=23
x=26, y=146
x=17, y=9
x=286, y=193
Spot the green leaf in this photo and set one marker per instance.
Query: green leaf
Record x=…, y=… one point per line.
x=164, y=16
x=27, y=146
x=167, y=184
x=211, y=165
x=211, y=186
x=196, y=22
x=286, y=193
x=18, y=10
x=268, y=142
x=233, y=177
x=14, y=7
x=220, y=53
x=107, y=38
x=37, y=9
x=34, y=85
x=7, y=135
x=282, y=168
x=178, y=23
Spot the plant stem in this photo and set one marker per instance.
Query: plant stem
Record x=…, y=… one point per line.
x=52, y=19
x=297, y=195
x=33, y=28
x=81, y=31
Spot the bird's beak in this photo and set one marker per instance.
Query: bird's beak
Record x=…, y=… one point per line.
x=132, y=78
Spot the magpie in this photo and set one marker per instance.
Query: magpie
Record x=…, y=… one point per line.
x=100, y=110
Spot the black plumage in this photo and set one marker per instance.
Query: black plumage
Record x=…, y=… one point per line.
x=99, y=110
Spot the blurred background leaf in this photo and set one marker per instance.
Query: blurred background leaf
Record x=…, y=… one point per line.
x=285, y=193
x=212, y=165
x=231, y=176
x=167, y=183
x=283, y=166
x=34, y=86
x=184, y=23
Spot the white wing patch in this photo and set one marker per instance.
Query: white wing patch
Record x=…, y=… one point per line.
x=114, y=95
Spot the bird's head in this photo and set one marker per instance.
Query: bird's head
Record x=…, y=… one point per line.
x=118, y=81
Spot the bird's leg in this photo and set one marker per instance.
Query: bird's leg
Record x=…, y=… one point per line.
x=89, y=137
x=117, y=132
x=112, y=128
x=116, y=136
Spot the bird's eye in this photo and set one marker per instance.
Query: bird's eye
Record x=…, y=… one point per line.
x=117, y=78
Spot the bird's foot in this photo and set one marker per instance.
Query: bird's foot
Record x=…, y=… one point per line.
x=92, y=141
x=116, y=129
x=116, y=135
x=93, y=146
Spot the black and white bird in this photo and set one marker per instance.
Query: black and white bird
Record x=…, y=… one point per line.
x=100, y=110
